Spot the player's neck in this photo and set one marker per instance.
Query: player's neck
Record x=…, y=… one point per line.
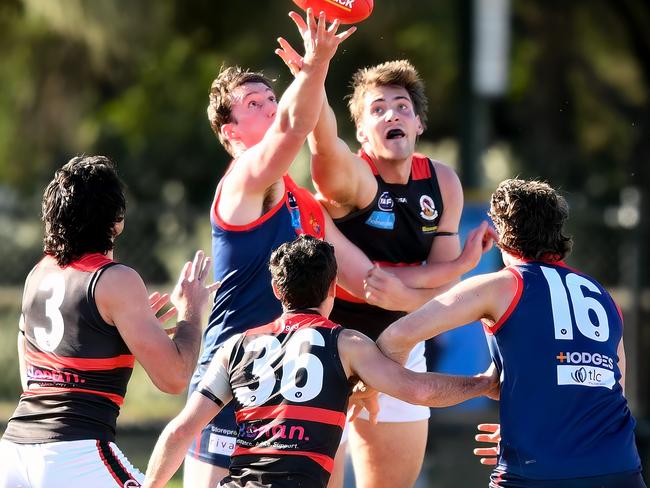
x=394, y=171
x=309, y=310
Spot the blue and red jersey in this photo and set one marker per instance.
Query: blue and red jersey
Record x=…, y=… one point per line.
x=562, y=410
x=241, y=262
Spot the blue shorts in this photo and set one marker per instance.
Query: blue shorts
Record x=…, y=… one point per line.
x=620, y=480
x=216, y=442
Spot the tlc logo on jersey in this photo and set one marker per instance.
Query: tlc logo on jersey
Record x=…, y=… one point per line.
x=584, y=369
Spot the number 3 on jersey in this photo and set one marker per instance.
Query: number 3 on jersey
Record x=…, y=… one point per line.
x=292, y=362
x=46, y=339
x=573, y=288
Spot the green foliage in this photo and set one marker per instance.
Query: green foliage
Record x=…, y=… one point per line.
x=130, y=79
x=10, y=388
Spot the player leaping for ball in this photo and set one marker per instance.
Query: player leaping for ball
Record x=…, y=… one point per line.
x=403, y=211
x=256, y=208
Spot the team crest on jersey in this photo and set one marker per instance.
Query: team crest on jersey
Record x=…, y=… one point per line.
x=385, y=202
x=315, y=225
x=428, y=208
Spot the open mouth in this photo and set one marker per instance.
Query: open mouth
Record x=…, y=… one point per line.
x=395, y=134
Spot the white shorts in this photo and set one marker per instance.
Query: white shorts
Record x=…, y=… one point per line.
x=69, y=464
x=393, y=410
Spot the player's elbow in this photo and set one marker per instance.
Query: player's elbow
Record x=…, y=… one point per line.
x=174, y=384
x=394, y=338
x=179, y=431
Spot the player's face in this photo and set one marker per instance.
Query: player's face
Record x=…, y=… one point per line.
x=253, y=111
x=389, y=126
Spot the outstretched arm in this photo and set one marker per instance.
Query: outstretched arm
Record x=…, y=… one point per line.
x=384, y=286
x=480, y=297
x=363, y=359
x=331, y=156
x=297, y=112
x=445, y=263
x=213, y=393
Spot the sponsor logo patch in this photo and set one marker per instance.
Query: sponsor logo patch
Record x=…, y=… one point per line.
x=381, y=220
x=584, y=376
x=221, y=444
x=385, y=202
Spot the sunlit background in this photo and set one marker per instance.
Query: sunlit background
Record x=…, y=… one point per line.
x=553, y=89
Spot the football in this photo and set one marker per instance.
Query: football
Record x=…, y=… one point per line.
x=347, y=11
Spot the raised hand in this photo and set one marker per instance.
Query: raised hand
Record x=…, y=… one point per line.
x=320, y=42
x=479, y=241
x=190, y=294
x=492, y=434
x=157, y=302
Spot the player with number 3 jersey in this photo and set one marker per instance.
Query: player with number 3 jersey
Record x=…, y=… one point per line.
x=555, y=336
x=85, y=320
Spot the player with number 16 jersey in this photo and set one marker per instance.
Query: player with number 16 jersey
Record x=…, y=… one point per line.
x=556, y=337
x=571, y=378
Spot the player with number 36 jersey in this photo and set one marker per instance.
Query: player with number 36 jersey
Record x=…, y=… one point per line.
x=556, y=337
x=290, y=381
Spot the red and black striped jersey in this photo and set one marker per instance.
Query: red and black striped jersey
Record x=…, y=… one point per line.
x=396, y=229
x=77, y=365
x=291, y=397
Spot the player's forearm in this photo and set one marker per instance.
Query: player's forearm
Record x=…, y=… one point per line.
x=439, y=390
x=431, y=275
x=187, y=341
x=167, y=456
x=397, y=340
x=300, y=105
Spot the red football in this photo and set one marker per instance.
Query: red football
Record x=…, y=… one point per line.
x=347, y=11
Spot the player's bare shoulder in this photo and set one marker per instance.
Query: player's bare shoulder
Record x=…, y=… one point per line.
x=117, y=286
x=351, y=344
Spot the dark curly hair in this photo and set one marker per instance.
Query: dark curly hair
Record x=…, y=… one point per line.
x=530, y=218
x=303, y=270
x=220, y=106
x=81, y=205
